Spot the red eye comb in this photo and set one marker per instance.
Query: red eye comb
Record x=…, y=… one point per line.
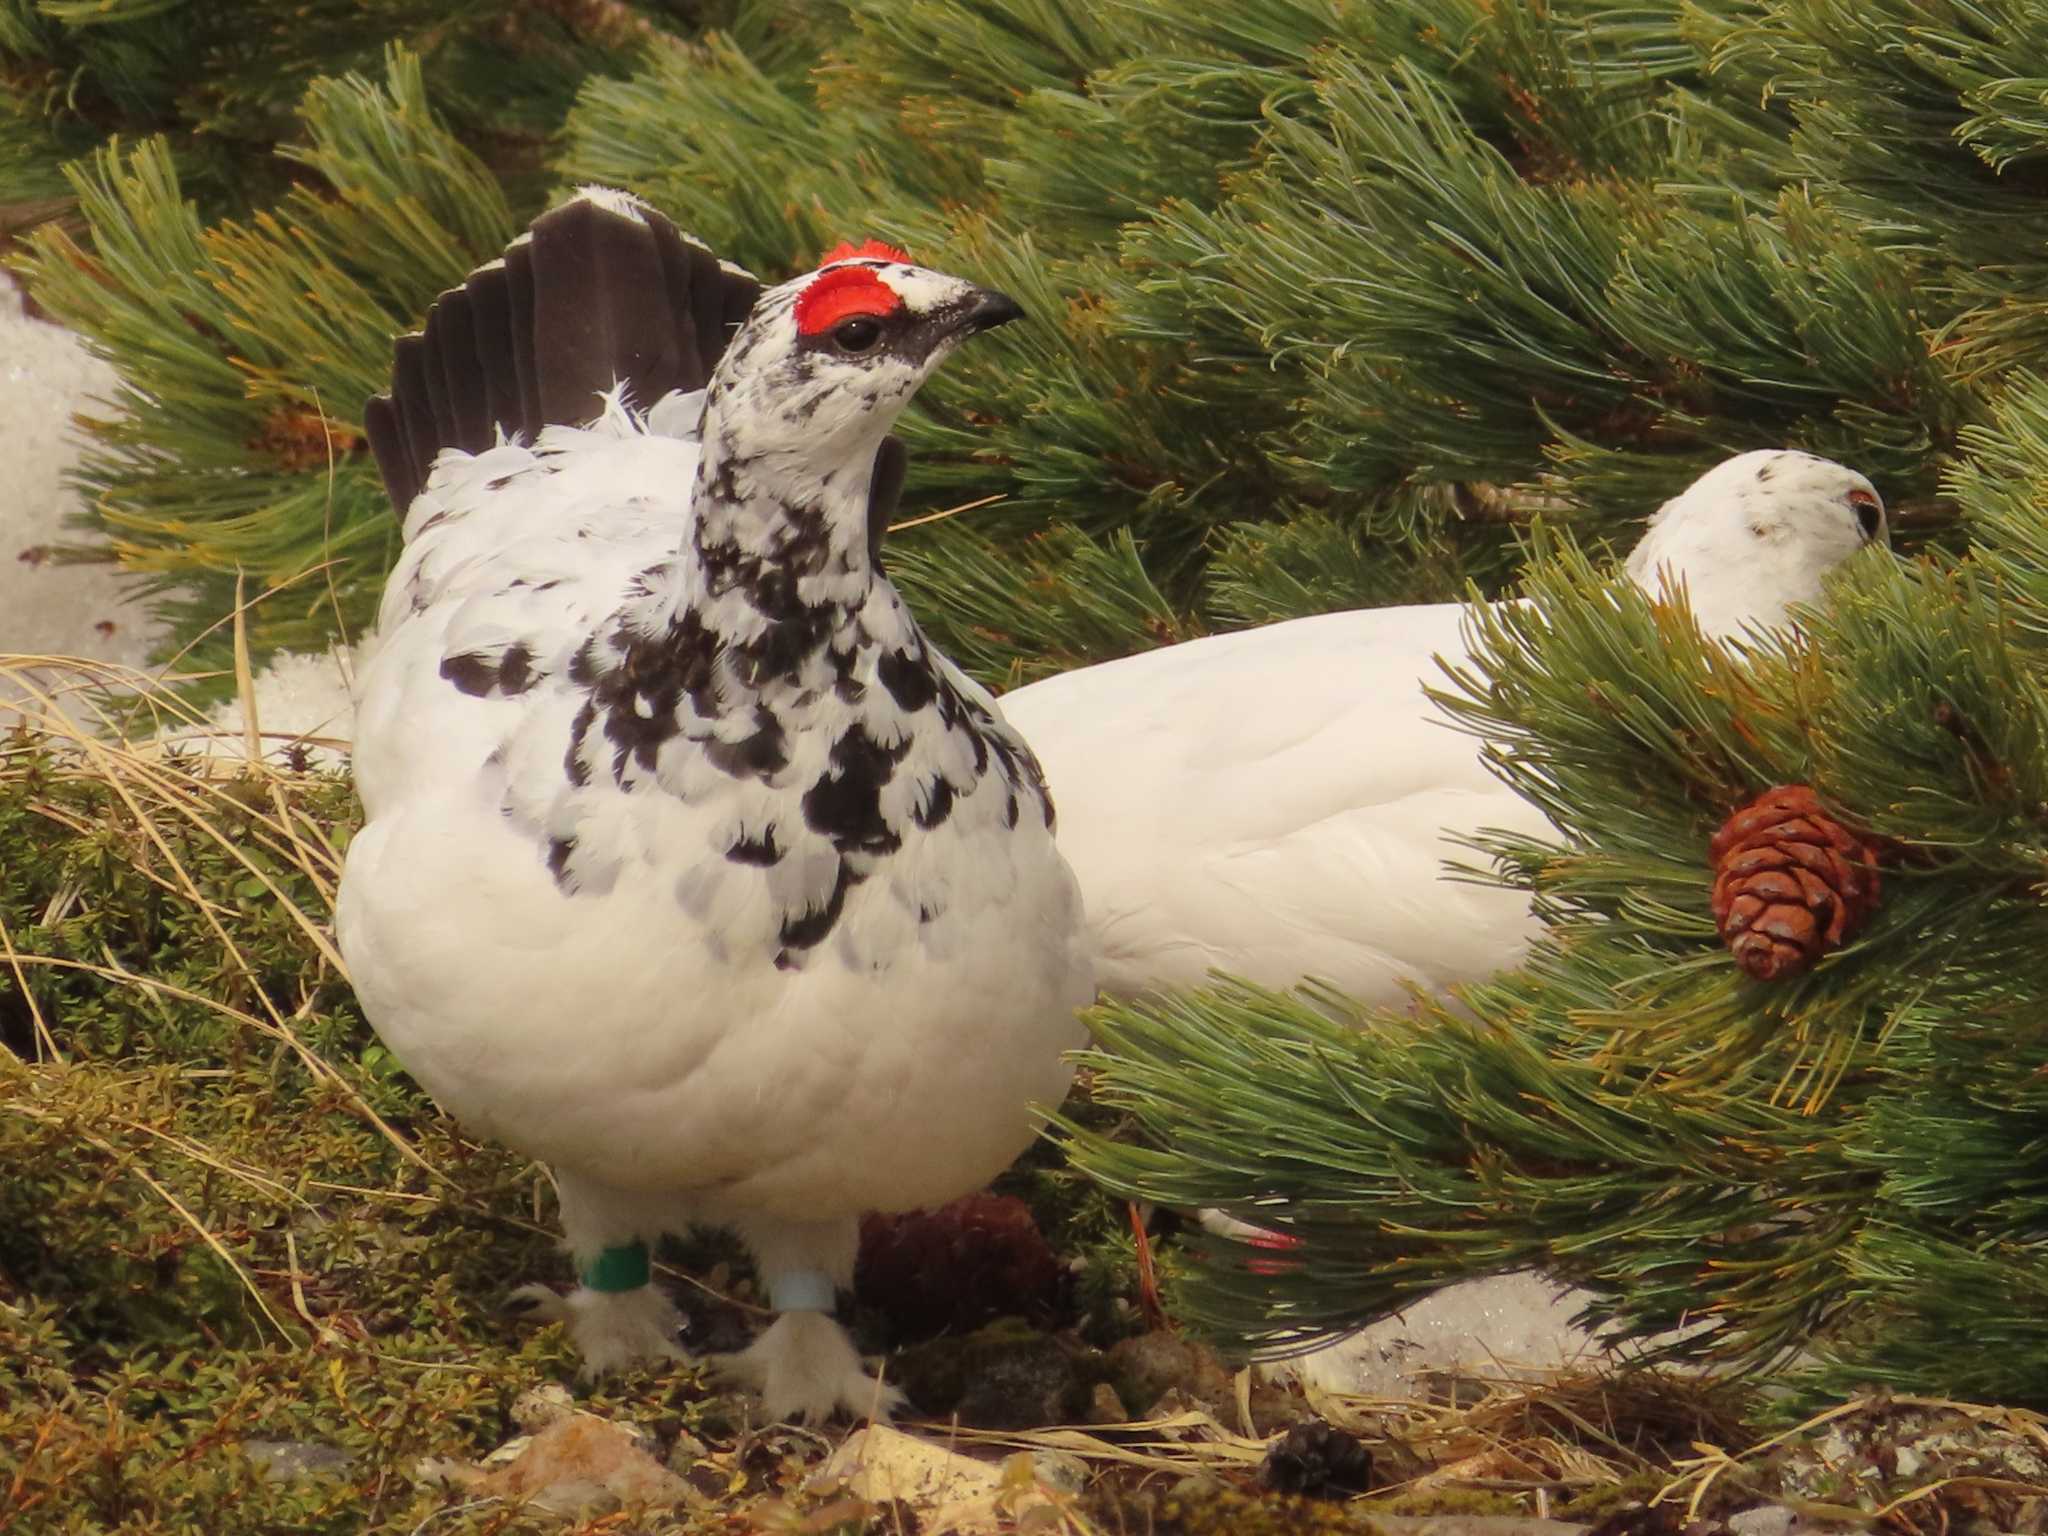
x=874, y=250
x=843, y=292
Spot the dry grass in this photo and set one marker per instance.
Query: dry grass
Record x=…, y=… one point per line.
x=107, y=725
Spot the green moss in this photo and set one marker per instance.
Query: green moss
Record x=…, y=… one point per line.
x=1200, y=1507
x=1590, y=1505
x=1453, y=1501
x=205, y=1237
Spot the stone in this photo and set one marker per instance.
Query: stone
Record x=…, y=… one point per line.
x=577, y=1465
x=289, y=1461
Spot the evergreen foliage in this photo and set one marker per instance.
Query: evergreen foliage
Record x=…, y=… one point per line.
x=246, y=356
x=220, y=79
x=1303, y=262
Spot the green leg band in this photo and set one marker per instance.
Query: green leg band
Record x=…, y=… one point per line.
x=617, y=1269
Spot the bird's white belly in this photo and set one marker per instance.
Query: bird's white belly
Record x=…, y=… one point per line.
x=603, y=1033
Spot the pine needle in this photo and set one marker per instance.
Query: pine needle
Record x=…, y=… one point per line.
x=939, y=517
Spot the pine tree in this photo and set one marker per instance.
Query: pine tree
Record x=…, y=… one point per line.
x=220, y=80
x=1330, y=299
x=1332, y=302
x=1847, y=1162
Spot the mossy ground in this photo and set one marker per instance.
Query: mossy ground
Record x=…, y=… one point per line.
x=225, y=1216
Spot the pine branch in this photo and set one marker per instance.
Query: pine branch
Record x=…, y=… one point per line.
x=1263, y=573
x=1089, y=599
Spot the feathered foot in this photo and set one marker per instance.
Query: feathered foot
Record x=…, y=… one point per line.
x=612, y=1330
x=806, y=1370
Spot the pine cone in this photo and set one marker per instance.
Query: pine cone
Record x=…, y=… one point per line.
x=1790, y=882
x=1320, y=1460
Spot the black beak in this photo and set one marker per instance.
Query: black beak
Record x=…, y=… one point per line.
x=992, y=309
x=982, y=310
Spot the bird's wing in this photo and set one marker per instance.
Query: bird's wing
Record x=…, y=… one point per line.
x=514, y=556
x=1277, y=803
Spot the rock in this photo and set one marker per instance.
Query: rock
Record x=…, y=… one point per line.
x=953, y=1495
x=880, y=1463
x=1005, y=1376
x=1105, y=1407
x=1145, y=1368
x=1765, y=1520
x=576, y=1465
x=1060, y=1470
x=537, y=1407
x=287, y=1461
x=53, y=607
x=1511, y=1325
x=1955, y=1467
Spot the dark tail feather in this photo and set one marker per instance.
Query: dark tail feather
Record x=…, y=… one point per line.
x=519, y=330
x=490, y=291
x=588, y=297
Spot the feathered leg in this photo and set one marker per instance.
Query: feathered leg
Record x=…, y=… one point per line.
x=805, y=1367
x=615, y=1316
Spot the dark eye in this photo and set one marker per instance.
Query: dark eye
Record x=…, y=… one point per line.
x=1869, y=511
x=857, y=334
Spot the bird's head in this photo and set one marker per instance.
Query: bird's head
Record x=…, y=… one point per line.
x=1757, y=533
x=825, y=362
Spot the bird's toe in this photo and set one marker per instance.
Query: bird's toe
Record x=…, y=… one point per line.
x=536, y=1303
x=805, y=1371
x=612, y=1330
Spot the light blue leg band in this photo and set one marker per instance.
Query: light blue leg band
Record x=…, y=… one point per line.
x=800, y=1290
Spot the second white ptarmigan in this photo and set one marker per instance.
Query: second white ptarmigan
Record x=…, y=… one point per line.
x=690, y=867
x=1279, y=803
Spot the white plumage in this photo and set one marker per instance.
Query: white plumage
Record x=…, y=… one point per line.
x=689, y=868
x=1278, y=803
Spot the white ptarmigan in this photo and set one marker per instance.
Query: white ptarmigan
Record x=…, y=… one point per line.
x=690, y=868
x=1275, y=803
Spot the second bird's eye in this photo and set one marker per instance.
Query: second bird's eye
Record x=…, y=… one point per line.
x=857, y=334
